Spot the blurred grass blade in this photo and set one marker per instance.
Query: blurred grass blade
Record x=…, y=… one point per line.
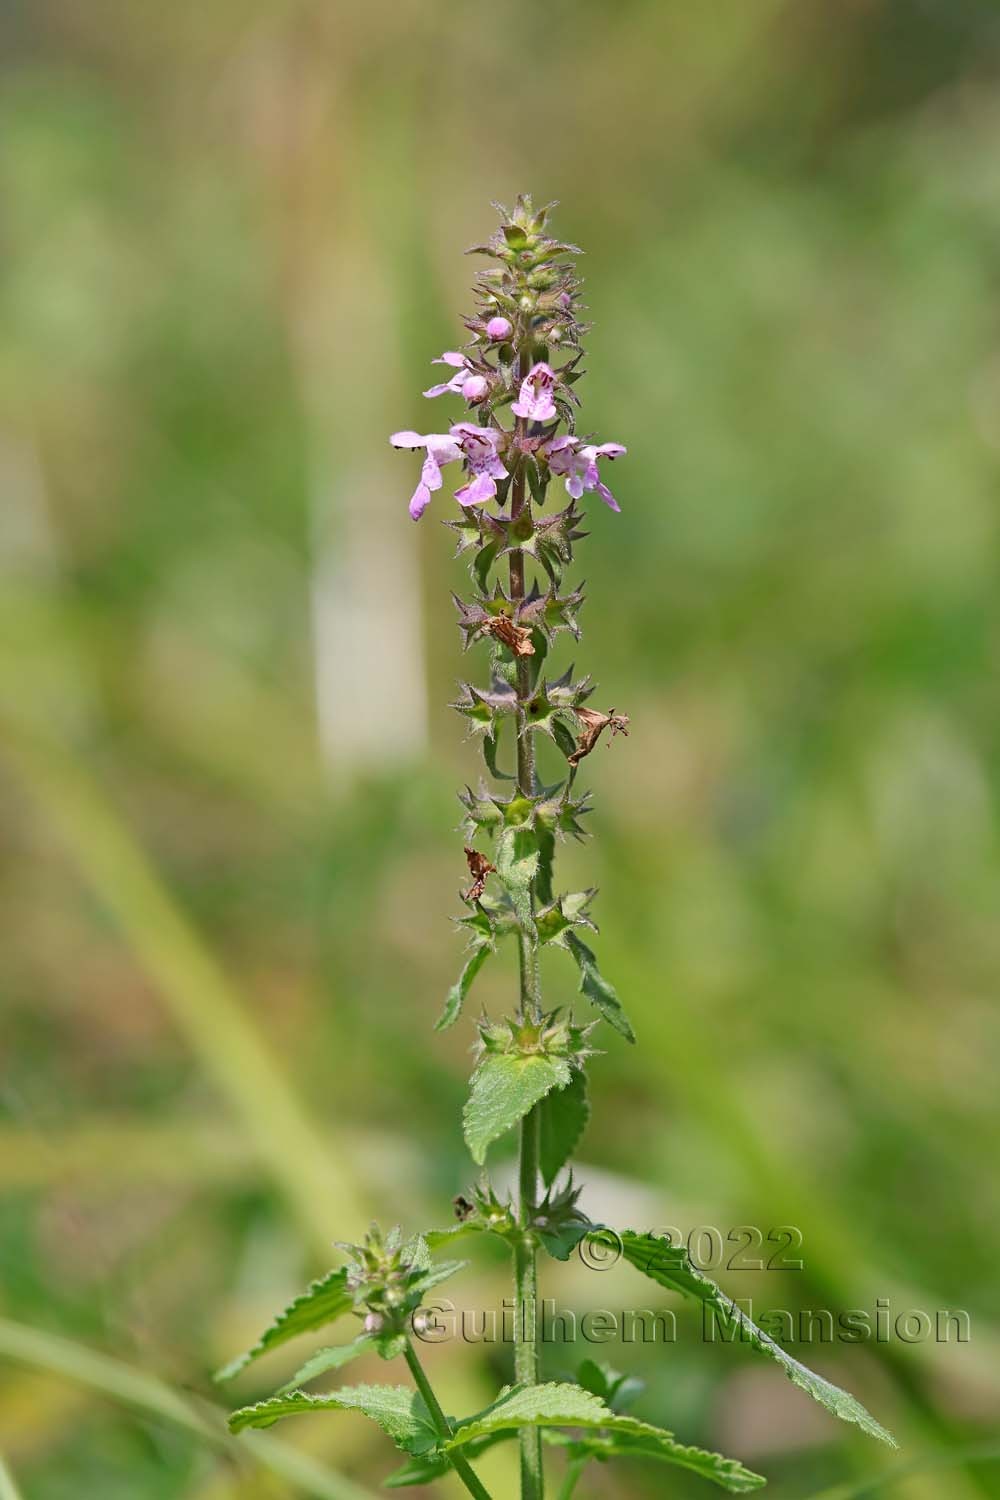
x=976, y=1453
x=200, y=997
x=8, y=1489
x=146, y=1393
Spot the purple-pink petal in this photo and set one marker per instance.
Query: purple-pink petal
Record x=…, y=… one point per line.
x=498, y=328
x=607, y=496
x=481, y=487
x=407, y=440
x=534, y=399
x=419, y=501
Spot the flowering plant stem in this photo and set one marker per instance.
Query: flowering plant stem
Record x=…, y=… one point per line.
x=526, y=1362
x=531, y=1068
x=443, y=1426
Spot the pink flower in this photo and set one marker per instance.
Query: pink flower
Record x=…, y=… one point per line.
x=577, y=463
x=476, y=445
x=479, y=445
x=441, y=450
x=498, y=328
x=534, y=399
x=464, y=382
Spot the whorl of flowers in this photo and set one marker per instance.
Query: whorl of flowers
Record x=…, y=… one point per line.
x=520, y=365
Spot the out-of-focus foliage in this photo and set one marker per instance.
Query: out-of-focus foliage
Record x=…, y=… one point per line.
x=228, y=250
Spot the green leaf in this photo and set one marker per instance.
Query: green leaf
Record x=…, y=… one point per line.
x=630, y=1438
x=438, y=1237
x=670, y=1267
x=546, y=861
x=331, y=1358
x=431, y=1277
x=563, y=1405
x=491, y=746
x=517, y=864
x=321, y=1303
x=456, y=995
x=399, y=1412
x=424, y=1468
x=596, y=987
x=563, y=1116
x=614, y=1388
x=505, y=1087
x=555, y=1404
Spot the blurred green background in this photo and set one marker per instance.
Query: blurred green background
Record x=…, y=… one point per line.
x=231, y=240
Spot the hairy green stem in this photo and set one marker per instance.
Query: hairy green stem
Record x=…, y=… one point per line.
x=526, y=1364
x=460, y=1464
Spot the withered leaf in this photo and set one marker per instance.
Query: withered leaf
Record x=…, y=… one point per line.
x=515, y=637
x=594, y=725
x=479, y=868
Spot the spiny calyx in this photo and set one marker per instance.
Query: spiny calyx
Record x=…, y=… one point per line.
x=554, y=1036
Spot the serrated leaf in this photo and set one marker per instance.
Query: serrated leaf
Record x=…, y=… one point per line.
x=546, y=862
x=322, y=1302
x=627, y=1437
x=558, y=1404
x=456, y=995
x=438, y=1237
x=554, y=1404
x=562, y=1118
x=669, y=1266
x=332, y=1358
x=505, y=1087
x=517, y=865
x=432, y=1276
x=399, y=1412
x=426, y=1467
x=597, y=989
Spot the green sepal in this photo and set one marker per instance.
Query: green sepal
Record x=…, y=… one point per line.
x=550, y=808
x=322, y=1302
x=609, y=1434
x=562, y=813
x=468, y=529
x=559, y=1222
x=505, y=1086
x=552, y=704
x=551, y=612
x=562, y=1118
x=484, y=710
x=555, y=920
x=596, y=988
x=456, y=995
x=482, y=811
x=399, y=1412
x=669, y=1266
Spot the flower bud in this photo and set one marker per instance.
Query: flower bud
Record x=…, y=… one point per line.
x=498, y=328
x=475, y=388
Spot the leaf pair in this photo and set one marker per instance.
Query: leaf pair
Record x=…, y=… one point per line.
x=597, y=1430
